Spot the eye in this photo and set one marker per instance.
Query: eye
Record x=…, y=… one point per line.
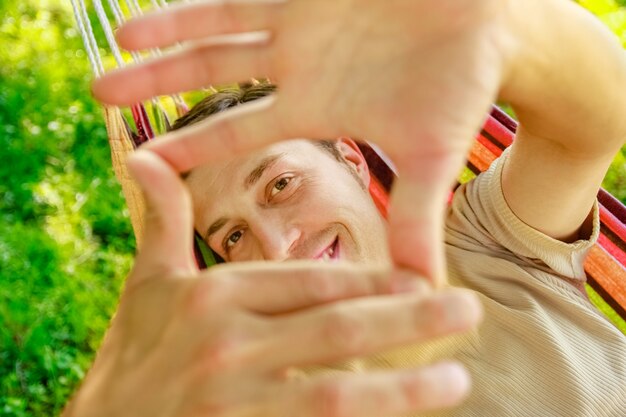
x=280, y=185
x=232, y=239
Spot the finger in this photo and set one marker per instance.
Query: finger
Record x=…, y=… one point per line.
x=416, y=216
x=168, y=226
x=254, y=342
x=416, y=230
x=266, y=289
x=384, y=393
x=196, y=21
x=213, y=62
x=361, y=327
x=224, y=136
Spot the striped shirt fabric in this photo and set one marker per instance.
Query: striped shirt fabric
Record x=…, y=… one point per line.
x=543, y=349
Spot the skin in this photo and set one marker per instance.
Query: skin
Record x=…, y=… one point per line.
x=213, y=342
x=443, y=62
x=451, y=60
x=300, y=206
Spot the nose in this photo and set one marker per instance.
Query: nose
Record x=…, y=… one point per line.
x=275, y=237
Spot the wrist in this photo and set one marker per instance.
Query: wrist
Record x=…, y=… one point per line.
x=93, y=397
x=85, y=401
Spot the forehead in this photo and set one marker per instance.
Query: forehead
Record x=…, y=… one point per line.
x=217, y=179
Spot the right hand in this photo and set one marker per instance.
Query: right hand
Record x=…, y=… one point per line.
x=219, y=342
x=416, y=77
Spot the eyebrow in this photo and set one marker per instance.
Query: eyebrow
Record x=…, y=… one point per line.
x=215, y=227
x=256, y=174
x=253, y=177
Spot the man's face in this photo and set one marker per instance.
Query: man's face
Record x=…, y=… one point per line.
x=292, y=200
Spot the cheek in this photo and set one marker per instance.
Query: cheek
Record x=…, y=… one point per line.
x=337, y=197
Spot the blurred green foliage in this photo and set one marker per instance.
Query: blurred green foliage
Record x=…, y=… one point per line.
x=65, y=238
x=613, y=14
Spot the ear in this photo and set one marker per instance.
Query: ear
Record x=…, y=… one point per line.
x=351, y=153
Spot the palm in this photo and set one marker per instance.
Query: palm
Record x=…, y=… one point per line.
x=419, y=87
x=423, y=105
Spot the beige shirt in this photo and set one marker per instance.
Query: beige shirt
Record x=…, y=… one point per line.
x=543, y=349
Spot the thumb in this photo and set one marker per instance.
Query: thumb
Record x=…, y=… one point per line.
x=167, y=243
x=416, y=216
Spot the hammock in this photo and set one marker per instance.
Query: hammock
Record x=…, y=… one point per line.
x=605, y=265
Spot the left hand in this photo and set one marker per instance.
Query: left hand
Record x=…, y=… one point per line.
x=416, y=77
x=221, y=342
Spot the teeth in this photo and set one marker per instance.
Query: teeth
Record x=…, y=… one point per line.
x=328, y=253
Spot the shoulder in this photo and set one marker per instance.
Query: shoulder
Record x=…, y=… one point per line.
x=480, y=220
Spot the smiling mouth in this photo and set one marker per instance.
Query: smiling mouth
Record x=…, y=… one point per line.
x=331, y=253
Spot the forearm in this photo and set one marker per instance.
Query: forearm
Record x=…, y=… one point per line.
x=86, y=401
x=567, y=77
x=564, y=75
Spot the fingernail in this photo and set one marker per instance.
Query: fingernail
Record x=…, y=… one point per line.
x=136, y=163
x=453, y=380
x=440, y=385
x=133, y=159
x=462, y=309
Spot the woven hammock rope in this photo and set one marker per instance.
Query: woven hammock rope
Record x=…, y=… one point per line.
x=605, y=266
x=121, y=146
x=121, y=138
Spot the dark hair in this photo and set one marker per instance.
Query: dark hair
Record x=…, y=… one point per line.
x=223, y=100
x=231, y=97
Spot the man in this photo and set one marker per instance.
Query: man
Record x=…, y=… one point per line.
x=507, y=234
x=307, y=199
x=227, y=341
